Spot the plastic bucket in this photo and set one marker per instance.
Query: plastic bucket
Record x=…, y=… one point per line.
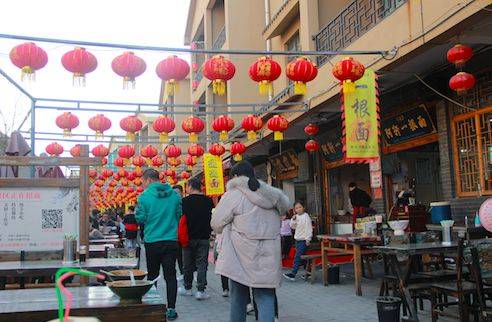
x=388, y=308
x=440, y=211
x=334, y=274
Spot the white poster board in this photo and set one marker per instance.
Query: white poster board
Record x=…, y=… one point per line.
x=37, y=218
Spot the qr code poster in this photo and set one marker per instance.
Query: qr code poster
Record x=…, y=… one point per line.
x=37, y=218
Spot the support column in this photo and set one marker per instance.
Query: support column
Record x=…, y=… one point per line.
x=308, y=13
x=445, y=154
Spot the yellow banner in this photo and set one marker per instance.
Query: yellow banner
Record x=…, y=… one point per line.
x=214, y=178
x=361, y=121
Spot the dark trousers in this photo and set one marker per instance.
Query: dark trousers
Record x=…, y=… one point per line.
x=301, y=248
x=163, y=254
x=196, y=256
x=225, y=283
x=180, y=260
x=286, y=242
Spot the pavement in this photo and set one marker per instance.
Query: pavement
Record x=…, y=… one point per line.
x=299, y=301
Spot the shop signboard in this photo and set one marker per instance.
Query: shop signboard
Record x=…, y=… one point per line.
x=332, y=147
x=214, y=175
x=408, y=125
x=37, y=218
x=361, y=121
x=286, y=165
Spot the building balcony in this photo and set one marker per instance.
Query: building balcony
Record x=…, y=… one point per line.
x=353, y=22
x=281, y=19
x=220, y=39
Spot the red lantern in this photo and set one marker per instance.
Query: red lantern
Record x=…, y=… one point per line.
x=185, y=175
x=119, y=162
x=278, y=124
x=348, y=71
x=104, y=161
x=157, y=161
x=54, y=149
x=252, y=124
x=100, y=124
x=264, y=71
x=172, y=70
x=301, y=70
x=459, y=55
x=79, y=62
x=122, y=173
x=126, y=151
x=100, y=151
x=138, y=161
x=92, y=173
x=116, y=176
x=29, y=58
x=311, y=129
x=148, y=151
x=223, y=124
x=107, y=173
x=163, y=125
x=169, y=173
x=193, y=126
x=138, y=172
x=219, y=70
x=75, y=151
x=124, y=182
x=196, y=150
x=172, y=151
x=190, y=162
x=216, y=149
x=174, y=162
x=137, y=181
x=130, y=176
x=131, y=124
x=462, y=82
x=129, y=66
x=312, y=146
x=113, y=183
x=237, y=149
x=140, y=190
x=67, y=122
x=99, y=183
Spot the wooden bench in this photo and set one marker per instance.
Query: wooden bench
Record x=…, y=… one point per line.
x=310, y=264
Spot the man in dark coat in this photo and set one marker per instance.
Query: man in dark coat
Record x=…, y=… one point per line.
x=360, y=201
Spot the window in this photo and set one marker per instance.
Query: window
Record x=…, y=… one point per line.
x=293, y=44
x=472, y=147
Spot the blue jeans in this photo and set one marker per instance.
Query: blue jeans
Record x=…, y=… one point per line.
x=264, y=298
x=300, y=250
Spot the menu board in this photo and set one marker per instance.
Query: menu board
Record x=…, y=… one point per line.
x=37, y=218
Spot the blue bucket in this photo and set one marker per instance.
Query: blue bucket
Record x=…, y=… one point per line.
x=440, y=211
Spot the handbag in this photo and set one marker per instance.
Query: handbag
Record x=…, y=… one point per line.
x=183, y=237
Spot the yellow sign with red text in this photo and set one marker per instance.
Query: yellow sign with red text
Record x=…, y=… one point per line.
x=214, y=177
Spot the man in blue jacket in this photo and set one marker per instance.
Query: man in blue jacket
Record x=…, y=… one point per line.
x=159, y=210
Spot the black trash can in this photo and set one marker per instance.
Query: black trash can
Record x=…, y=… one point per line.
x=334, y=274
x=388, y=308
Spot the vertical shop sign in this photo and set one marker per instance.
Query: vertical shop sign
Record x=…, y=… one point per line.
x=214, y=177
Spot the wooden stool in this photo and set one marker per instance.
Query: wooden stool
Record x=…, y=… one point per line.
x=310, y=265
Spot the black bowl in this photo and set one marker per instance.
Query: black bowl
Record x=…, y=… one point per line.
x=130, y=293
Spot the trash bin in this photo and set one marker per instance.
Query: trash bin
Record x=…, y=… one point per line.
x=334, y=274
x=388, y=308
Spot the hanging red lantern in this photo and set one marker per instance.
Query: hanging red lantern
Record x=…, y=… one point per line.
x=190, y=162
x=148, y=151
x=223, y=125
x=461, y=82
x=124, y=182
x=264, y=71
x=278, y=124
x=311, y=129
x=126, y=151
x=185, y=175
x=67, y=122
x=54, y=149
x=104, y=161
x=130, y=176
x=122, y=173
x=99, y=183
x=113, y=183
x=174, y=162
x=75, y=151
x=157, y=161
x=348, y=71
x=29, y=58
x=252, y=124
x=119, y=162
x=138, y=172
x=172, y=151
x=301, y=70
x=92, y=173
x=196, y=150
x=116, y=176
x=237, y=150
x=99, y=124
x=131, y=124
x=172, y=70
x=193, y=126
x=216, y=149
x=163, y=125
x=100, y=151
x=459, y=55
x=137, y=181
x=312, y=146
x=169, y=173
x=219, y=70
x=107, y=173
x=79, y=62
x=138, y=161
x=129, y=66
x=140, y=189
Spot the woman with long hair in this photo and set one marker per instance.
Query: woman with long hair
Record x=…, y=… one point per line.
x=248, y=217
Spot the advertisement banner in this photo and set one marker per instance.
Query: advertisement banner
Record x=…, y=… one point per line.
x=214, y=177
x=360, y=113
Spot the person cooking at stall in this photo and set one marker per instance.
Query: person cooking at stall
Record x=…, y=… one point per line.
x=107, y=224
x=360, y=201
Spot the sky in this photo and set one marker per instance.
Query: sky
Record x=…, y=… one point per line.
x=144, y=22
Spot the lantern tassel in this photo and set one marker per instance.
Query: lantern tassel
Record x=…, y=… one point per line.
x=278, y=136
x=99, y=135
x=28, y=72
x=67, y=132
x=265, y=87
x=348, y=86
x=171, y=87
x=223, y=136
x=300, y=88
x=193, y=137
x=78, y=80
x=190, y=168
x=128, y=82
x=163, y=137
x=238, y=157
x=130, y=136
x=251, y=135
x=219, y=87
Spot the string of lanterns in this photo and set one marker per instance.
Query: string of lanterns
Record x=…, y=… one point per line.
x=462, y=81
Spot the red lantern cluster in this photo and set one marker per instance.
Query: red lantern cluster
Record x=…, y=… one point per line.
x=278, y=124
x=99, y=124
x=131, y=124
x=129, y=66
x=311, y=130
x=237, y=150
x=193, y=126
x=29, y=58
x=67, y=122
x=223, y=125
x=301, y=70
x=172, y=70
x=264, y=71
x=54, y=149
x=462, y=81
x=79, y=62
x=252, y=124
x=348, y=71
x=219, y=70
x=163, y=125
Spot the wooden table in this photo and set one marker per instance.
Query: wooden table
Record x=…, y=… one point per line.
x=412, y=251
x=95, y=301
x=353, y=245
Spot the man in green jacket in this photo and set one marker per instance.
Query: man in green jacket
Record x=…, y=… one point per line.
x=159, y=210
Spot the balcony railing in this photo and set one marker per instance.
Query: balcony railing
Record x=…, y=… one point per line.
x=354, y=21
x=220, y=39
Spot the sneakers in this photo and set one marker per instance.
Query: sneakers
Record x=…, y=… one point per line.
x=171, y=315
x=250, y=308
x=290, y=277
x=225, y=293
x=180, y=278
x=184, y=292
x=201, y=295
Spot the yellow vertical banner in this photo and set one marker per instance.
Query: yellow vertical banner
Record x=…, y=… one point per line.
x=361, y=121
x=214, y=177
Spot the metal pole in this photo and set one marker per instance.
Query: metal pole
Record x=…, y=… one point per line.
x=13, y=82
x=33, y=133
